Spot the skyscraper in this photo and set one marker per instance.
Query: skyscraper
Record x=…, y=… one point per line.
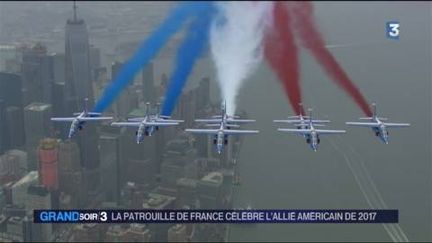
x=15, y=126
x=10, y=95
x=78, y=87
x=37, y=126
x=122, y=103
x=10, y=89
x=110, y=148
x=78, y=75
x=48, y=154
x=38, y=197
x=37, y=75
x=148, y=83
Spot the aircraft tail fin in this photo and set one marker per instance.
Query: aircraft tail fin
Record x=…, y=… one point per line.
x=147, y=108
x=85, y=105
x=158, y=109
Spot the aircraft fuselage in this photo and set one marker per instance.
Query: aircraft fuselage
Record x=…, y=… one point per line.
x=76, y=125
x=313, y=139
x=381, y=131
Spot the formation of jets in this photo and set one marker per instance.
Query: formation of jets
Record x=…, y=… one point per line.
x=223, y=128
x=305, y=126
x=148, y=124
x=220, y=127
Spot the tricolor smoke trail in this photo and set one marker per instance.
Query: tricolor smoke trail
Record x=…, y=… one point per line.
x=312, y=40
x=148, y=49
x=196, y=40
x=235, y=40
x=281, y=53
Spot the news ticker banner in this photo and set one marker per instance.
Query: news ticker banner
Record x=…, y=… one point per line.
x=216, y=216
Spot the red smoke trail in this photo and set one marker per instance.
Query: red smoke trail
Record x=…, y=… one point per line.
x=313, y=41
x=280, y=51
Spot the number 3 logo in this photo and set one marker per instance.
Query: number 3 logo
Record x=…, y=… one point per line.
x=392, y=30
x=103, y=216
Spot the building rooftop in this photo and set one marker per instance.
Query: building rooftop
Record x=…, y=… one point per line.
x=157, y=201
x=37, y=106
x=215, y=177
x=31, y=176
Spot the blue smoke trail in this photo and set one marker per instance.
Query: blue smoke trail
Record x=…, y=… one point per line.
x=148, y=49
x=190, y=49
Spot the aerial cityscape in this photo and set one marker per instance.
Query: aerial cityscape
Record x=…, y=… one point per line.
x=83, y=126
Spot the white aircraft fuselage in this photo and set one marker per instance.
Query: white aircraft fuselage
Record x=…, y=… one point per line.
x=312, y=138
x=381, y=130
x=76, y=124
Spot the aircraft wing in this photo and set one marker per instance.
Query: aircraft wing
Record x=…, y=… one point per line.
x=208, y=120
x=299, y=131
x=240, y=120
x=95, y=118
x=136, y=119
x=363, y=124
x=371, y=118
x=286, y=121
x=305, y=117
x=66, y=119
x=151, y=123
x=169, y=120
x=322, y=131
x=126, y=124
x=298, y=120
x=203, y=131
x=240, y=132
x=397, y=124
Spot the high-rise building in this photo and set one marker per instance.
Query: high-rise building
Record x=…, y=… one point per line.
x=19, y=189
x=59, y=108
x=186, y=192
x=78, y=88
x=177, y=233
x=158, y=201
x=210, y=190
x=38, y=197
x=70, y=175
x=95, y=58
x=15, y=124
x=14, y=229
x=9, y=54
x=115, y=233
x=77, y=54
x=37, y=74
x=203, y=96
x=58, y=67
x=141, y=171
x=122, y=103
x=148, y=83
x=48, y=154
x=138, y=233
x=87, y=233
x=33, y=232
x=68, y=156
x=10, y=89
x=4, y=133
x=13, y=164
x=111, y=166
x=10, y=95
x=37, y=126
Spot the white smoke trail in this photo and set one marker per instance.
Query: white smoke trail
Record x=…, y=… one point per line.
x=235, y=39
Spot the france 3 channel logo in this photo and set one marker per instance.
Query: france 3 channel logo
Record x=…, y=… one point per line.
x=393, y=30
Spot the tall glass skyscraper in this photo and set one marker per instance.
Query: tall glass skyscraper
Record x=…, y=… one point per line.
x=79, y=87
